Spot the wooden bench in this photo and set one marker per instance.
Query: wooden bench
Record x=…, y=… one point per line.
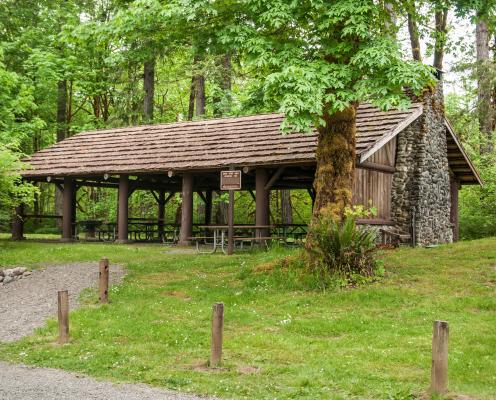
x=237, y=239
x=252, y=239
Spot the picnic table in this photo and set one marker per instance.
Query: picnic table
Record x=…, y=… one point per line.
x=218, y=239
x=148, y=230
x=89, y=227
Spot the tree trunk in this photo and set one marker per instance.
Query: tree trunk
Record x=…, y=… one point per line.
x=197, y=93
x=393, y=20
x=61, y=110
x=61, y=135
x=335, y=155
x=96, y=106
x=179, y=212
x=225, y=83
x=191, y=106
x=106, y=107
x=221, y=211
x=286, y=207
x=484, y=90
x=149, y=87
x=200, y=95
x=414, y=38
x=441, y=18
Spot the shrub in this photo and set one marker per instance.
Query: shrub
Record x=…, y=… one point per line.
x=342, y=252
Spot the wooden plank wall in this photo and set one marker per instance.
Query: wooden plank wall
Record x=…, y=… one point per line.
x=374, y=187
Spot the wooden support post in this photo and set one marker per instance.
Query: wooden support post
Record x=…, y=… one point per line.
x=230, y=224
x=67, y=209
x=63, y=314
x=186, y=211
x=273, y=179
x=103, y=280
x=261, y=202
x=74, y=211
x=217, y=328
x=161, y=213
x=208, y=207
x=18, y=223
x=122, y=222
x=439, y=370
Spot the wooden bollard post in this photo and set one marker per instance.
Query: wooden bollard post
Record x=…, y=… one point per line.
x=439, y=370
x=63, y=304
x=217, y=327
x=103, y=280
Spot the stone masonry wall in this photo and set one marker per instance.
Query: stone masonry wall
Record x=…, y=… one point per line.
x=421, y=183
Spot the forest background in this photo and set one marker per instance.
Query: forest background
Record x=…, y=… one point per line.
x=70, y=66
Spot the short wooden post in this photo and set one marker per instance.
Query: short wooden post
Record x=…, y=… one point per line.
x=439, y=370
x=217, y=328
x=103, y=280
x=63, y=303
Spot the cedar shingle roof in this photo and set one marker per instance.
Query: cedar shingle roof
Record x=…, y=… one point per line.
x=207, y=144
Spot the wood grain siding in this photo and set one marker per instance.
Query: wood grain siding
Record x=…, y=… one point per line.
x=199, y=145
x=386, y=155
x=373, y=187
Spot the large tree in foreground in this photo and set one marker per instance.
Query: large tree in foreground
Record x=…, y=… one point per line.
x=317, y=60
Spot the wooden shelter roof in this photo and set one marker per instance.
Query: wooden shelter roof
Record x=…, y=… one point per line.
x=207, y=145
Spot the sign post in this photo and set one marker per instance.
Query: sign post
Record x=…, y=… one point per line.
x=230, y=180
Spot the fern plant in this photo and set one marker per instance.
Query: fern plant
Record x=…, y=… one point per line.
x=343, y=250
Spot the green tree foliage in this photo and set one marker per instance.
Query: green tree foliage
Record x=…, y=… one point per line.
x=16, y=123
x=477, y=205
x=318, y=57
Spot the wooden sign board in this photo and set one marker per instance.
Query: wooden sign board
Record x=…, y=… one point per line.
x=230, y=180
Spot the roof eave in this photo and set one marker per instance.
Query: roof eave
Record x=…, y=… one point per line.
x=386, y=138
x=465, y=155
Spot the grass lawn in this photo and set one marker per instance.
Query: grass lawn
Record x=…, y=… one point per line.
x=280, y=341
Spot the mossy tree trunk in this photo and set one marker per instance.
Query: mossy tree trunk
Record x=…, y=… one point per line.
x=335, y=155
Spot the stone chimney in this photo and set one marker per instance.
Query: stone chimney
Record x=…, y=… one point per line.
x=421, y=200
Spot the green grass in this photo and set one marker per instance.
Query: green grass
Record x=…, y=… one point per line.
x=280, y=341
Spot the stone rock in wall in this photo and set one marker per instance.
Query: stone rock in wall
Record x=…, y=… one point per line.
x=8, y=279
x=2, y=274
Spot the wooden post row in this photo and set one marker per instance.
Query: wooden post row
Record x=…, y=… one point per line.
x=439, y=370
x=217, y=328
x=63, y=314
x=103, y=280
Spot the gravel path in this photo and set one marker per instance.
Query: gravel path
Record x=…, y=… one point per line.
x=25, y=304
x=18, y=382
